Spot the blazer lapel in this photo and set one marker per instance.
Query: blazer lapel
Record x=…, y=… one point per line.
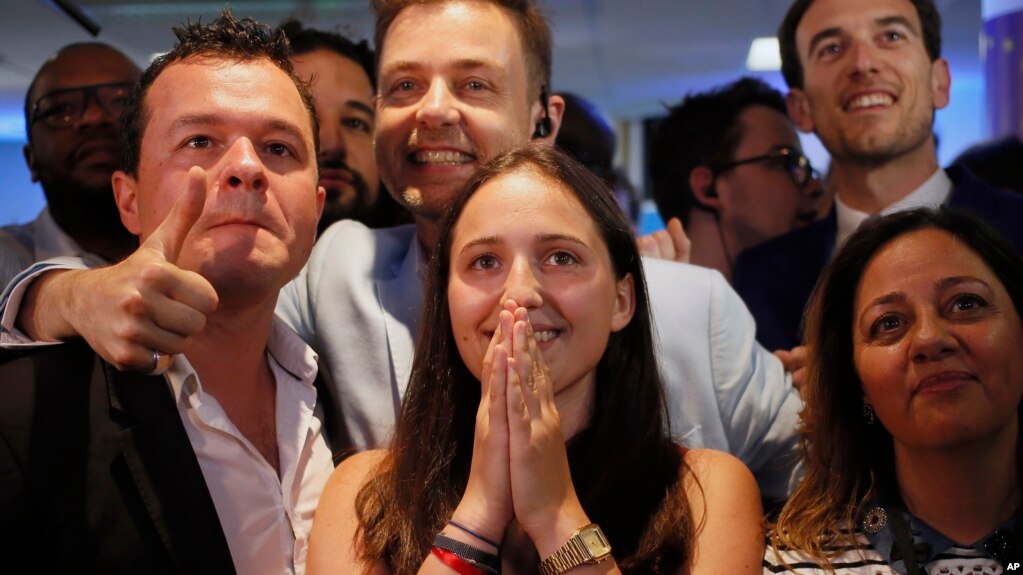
x=334, y=428
x=969, y=193
x=401, y=300
x=166, y=473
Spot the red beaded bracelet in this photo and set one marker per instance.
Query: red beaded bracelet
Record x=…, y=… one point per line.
x=455, y=562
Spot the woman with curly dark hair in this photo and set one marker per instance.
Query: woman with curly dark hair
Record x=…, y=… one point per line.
x=913, y=388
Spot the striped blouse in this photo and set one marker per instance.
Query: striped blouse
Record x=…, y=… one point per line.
x=858, y=557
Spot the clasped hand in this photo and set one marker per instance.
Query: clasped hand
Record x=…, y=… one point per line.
x=519, y=464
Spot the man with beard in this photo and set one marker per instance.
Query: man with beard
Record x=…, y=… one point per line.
x=866, y=76
x=72, y=110
x=342, y=81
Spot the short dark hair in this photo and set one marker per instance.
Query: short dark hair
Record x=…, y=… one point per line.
x=847, y=460
x=225, y=38
x=701, y=130
x=534, y=33
x=306, y=40
x=792, y=68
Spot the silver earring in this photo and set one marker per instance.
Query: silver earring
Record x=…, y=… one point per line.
x=875, y=519
x=868, y=414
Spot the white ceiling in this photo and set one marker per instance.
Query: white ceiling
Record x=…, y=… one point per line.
x=629, y=56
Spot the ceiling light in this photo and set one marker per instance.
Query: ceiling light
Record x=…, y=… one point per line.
x=764, y=55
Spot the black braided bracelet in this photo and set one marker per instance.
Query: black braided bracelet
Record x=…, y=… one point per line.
x=477, y=557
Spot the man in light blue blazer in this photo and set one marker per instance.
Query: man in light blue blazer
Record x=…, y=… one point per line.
x=358, y=298
x=450, y=96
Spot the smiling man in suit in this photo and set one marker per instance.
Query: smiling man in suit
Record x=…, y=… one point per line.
x=867, y=77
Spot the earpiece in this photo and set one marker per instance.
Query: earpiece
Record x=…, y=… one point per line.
x=543, y=127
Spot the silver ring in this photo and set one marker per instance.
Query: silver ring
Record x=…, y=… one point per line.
x=161, y=363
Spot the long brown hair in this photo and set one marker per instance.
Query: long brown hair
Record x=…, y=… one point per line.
x=628, y=473
x=847, y=461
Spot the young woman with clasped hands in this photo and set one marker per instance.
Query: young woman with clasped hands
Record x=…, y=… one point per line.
x=533, y=435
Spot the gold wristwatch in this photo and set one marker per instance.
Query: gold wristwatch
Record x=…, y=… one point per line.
x=587, y=545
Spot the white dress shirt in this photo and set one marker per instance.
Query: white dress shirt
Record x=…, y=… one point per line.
x=933, y=193
x=266, y=519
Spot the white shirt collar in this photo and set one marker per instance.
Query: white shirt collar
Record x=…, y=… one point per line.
x=934, y=192
x=284, y=346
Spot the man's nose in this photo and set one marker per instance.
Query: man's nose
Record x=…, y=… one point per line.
x=332, y=141
x=813, y=188
x=439, y=106
x=93, y=113
x=863, y=57
x=243, y=169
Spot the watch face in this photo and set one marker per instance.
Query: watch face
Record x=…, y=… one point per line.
x=595, y=542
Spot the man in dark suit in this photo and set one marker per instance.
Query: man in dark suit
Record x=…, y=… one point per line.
x=866, y=76
x=214, y=461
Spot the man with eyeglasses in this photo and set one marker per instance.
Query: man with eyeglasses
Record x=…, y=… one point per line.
x=72, y=110
x=867, y=77
x=727, y=163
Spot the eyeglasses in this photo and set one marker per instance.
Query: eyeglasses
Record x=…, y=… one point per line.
x=795, y=163
x=63, y=108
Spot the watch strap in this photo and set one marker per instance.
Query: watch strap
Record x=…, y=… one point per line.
x=573, y=553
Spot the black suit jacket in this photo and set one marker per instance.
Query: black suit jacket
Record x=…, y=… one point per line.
x=97, y=474
x=776, y=278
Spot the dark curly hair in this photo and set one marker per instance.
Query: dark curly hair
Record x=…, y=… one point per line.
x=306, y=40
x=226, y=38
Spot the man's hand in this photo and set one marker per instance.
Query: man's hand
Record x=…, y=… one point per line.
x=131, y=309
x=794, y=362
x=671, y=243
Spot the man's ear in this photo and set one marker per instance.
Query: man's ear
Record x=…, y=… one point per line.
x=941, y=83
x=126, y=196
x=799, y=110
x=321, y=197
x=625, y=303
x=555, y=111
x=701, y=182
x=30, y=161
